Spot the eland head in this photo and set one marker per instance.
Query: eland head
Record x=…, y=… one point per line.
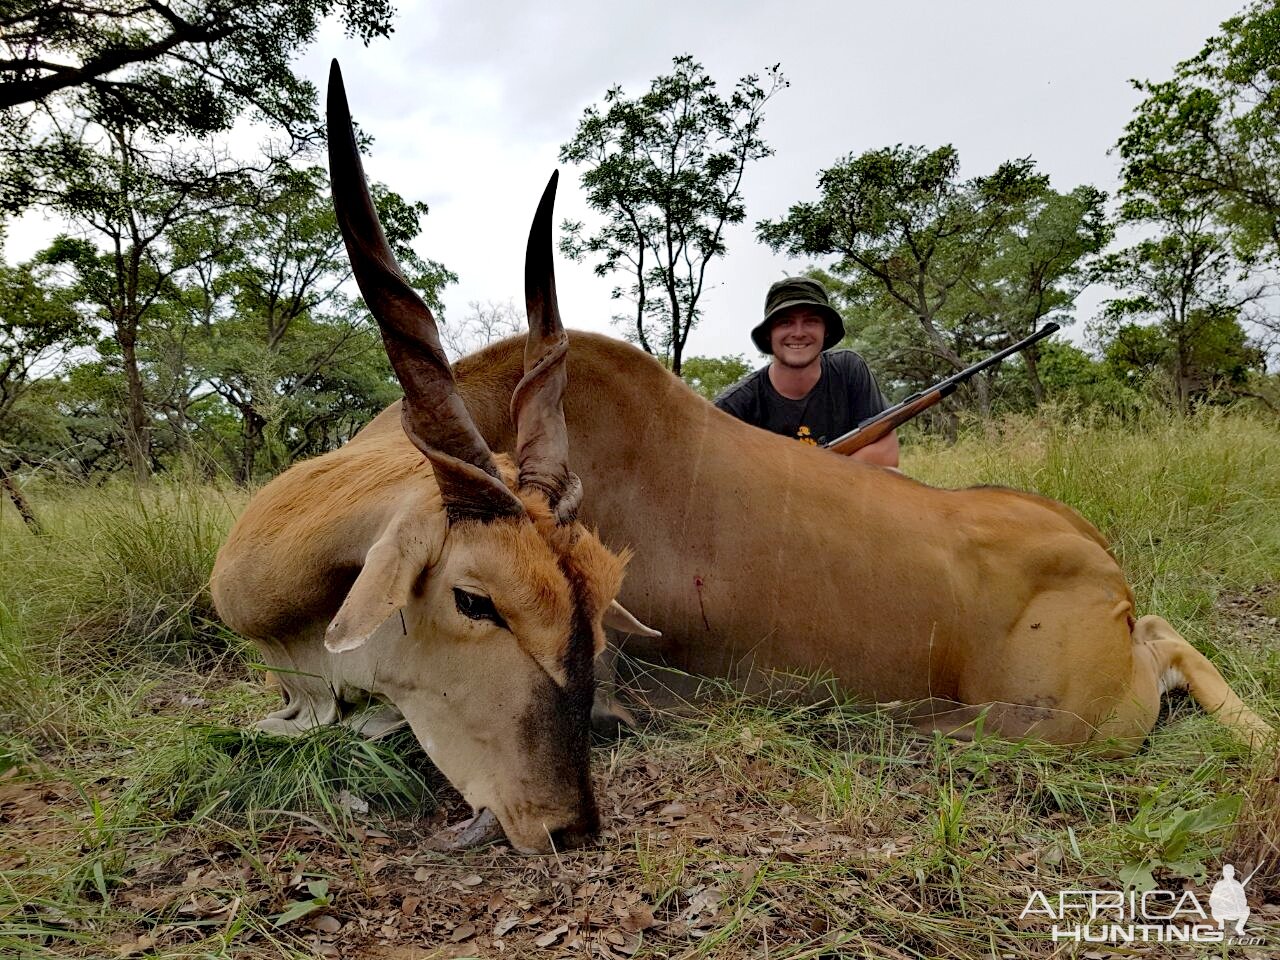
x=488, y=602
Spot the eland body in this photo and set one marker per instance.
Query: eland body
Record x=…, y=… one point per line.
x=756, y=553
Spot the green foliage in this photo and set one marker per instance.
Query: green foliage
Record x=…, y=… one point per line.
x=1211, y=133
x=319, y=890
x=271, y=333
x=38, y=326
x=231, y=339
x=1218, y=356
x=129, y=196
x=710, y=376
x=1182, y=283
x=665, y=169
x=189, y=70
x=172, y=234
x=1173, y=840
x=1203, y=151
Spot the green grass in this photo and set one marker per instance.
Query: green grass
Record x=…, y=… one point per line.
x=792, y=831
x=226, y=770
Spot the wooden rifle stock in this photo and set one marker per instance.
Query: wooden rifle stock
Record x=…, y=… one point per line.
x=885, y=422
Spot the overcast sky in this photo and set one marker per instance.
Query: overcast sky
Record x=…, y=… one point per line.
x=468, y=103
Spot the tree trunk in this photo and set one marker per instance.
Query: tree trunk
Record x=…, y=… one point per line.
x=1180, y=378
x=137, y=439
x=982, y=391
x=19, y=502
x=1033, y=375
x=677, y=343
x=251, y=431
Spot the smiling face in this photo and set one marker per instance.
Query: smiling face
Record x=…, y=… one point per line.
x=493, y=668
x=796, y=337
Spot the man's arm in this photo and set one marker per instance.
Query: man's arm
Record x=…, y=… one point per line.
x=866, y=400
x=884, y=452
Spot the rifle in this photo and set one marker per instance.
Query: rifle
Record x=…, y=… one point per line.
x=885, y=422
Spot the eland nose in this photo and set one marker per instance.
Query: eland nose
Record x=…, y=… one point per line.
x=578, y=834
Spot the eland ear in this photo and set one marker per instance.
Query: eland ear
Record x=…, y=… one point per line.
x=617, y=617
x=391, y=567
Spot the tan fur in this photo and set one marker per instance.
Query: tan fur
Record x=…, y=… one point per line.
x=753, y=551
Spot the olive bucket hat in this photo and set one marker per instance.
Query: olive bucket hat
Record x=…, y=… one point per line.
x=797, y=292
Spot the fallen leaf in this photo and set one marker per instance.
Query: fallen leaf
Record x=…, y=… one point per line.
x=506, y=924
x=639, y=917
x=144, y=943
x=327, y=924
x=462, y=932
x=351, y=803
x=551, y=936
x=473, y=881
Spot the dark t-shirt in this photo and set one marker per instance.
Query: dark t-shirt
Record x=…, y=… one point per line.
x=845, y=395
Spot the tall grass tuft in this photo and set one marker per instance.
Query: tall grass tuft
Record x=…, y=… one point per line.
x=221, y=770
x=117, y=586
x=1255, y=840
x=131, y=573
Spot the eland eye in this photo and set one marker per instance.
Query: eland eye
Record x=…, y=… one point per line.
x=477, y=607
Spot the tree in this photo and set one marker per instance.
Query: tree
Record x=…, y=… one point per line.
x=1182, y=282
x=901, y=219
x=39, y=326
x=189, y=68
x=276, y=327
x=1211, y=133
x=710, y=376
x=1038, y=266
x=129, y=195
x=483, y=324
x=666, y=170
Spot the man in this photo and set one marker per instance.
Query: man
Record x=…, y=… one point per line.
x=807, y=392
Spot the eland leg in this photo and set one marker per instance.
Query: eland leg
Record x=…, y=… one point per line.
x=609, y=717
x=1180, y=666
x=309, y=700
x=375, y=721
